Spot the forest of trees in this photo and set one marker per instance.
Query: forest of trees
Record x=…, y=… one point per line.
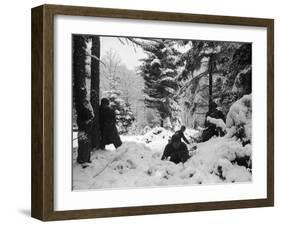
x=173, y=85
x=181, y=84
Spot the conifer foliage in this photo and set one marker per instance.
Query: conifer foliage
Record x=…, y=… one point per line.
x=159, y=71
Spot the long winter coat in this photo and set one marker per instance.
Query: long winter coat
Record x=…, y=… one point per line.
x=109, y=133
x=176, y=155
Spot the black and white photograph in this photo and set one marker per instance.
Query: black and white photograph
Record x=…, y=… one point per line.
x=150, y=112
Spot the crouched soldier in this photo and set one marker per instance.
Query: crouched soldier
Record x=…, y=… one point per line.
x=176, y=150
x=211, y=129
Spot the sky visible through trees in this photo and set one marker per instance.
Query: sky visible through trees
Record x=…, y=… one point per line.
x=171, y=82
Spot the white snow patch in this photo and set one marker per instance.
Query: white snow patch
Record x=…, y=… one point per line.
x=155, y=61
x=218, y=122
x=137, y=163
x=166, y=71
x=240, y=114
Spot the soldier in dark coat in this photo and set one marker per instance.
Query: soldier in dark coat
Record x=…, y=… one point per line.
x=176, y=150
x=180, y=133
x=109, y=132
x=211, y=129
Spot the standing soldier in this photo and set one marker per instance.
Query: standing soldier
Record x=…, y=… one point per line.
x=109, y=132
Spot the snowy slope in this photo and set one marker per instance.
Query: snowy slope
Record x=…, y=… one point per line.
x=137, y=163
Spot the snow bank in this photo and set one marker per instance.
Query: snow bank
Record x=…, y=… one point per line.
x=135, y=164
x=240, y=116
x=160, y=134
x=131, y=165
x=218, y=122
x=218, y=157
x=157, y=134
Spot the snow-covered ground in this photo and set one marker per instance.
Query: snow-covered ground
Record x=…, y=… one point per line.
x=137, y=163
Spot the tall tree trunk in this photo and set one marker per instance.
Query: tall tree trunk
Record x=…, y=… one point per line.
x=81, y=92
x=95, y=89
x=161, y=122
x=211, y=68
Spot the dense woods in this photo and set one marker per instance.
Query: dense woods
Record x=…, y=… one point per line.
x=188, y=101
x=174, y=84
x=182, y=78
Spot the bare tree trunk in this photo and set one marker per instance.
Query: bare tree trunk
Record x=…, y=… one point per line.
x=161, y=122
x=211, y=65
x=95, y=90
x=81, y=92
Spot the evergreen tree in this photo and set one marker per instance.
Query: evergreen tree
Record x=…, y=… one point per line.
x=214, y=71
x=238, y=79
x=217, y=55
x=113, y=71
x=159, y=71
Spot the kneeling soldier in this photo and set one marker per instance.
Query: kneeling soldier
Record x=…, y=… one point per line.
x=176, y=150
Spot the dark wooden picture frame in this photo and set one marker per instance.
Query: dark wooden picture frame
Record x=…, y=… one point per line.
x=42, y=203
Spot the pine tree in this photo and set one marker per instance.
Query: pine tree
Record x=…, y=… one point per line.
x=238, y=79
x=159, y=71
x=217, y=55
x=219, y=63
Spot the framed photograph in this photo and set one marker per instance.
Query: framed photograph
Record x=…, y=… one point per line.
x=141, y=112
